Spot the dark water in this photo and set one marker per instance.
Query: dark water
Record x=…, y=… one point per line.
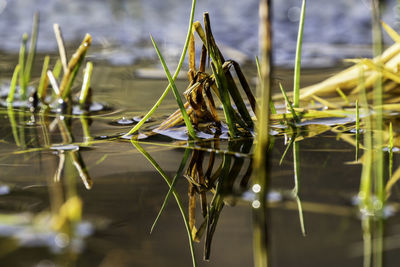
x=126, y=192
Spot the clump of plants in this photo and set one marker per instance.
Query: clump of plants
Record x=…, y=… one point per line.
x=200, y=106
x=61, y=77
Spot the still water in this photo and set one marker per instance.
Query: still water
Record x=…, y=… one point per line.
x=73, y=193
x=113, y=194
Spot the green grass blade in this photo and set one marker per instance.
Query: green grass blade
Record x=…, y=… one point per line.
x=22, y=54
x=32, y=49
x=357, y=129
x=43, y=79
x=13, y=85
x=14, y=125
x=178, y=68
x=86, y=83
x=390, y=150
x=296, y=87
x=177, y=175
x=271, y=103
x=185, y=116
x=57, y=69
x=287, y=149
x=225, y=103
x=289, y=104
x=174, y=192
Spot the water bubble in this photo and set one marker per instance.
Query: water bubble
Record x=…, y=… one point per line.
x=256, y=188
x=256, y=204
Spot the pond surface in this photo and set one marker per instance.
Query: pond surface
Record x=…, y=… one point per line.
x=52, y=166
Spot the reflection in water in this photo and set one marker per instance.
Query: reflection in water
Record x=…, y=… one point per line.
x=61, y=229
x=219, y=179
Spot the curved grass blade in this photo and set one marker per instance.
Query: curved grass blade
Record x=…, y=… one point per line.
x=185, y=116
x=178, y=68
x=176, y=195
x=178, y=174
x=296, y=119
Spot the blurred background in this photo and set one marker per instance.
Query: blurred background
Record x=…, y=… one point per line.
x=121, y=28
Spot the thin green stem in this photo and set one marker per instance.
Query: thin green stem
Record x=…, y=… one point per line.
x=174, y=192
x=225, y=103
x=178, y=68
x=32, y=49
x=185, y=116
x=177, y=175
x=22, y=52
x=296, y=87
x=289, y=104
x=357, y=129
x=86, y=83
x=13, y=85
x=43, y=79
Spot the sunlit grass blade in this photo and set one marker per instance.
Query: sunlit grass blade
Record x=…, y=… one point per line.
x=296, y=86
x=13, y=85
x=61, y=47
x=345, y=98
x=178, y=68
x=185, y=116
x=86, y=83
x=174, y=192
x=44, y=80
x=73, y=67
x=57, y=69
x=177, y=175
x=22, y=55
x=392, y=33
x=32, y=49
x=53, y=82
